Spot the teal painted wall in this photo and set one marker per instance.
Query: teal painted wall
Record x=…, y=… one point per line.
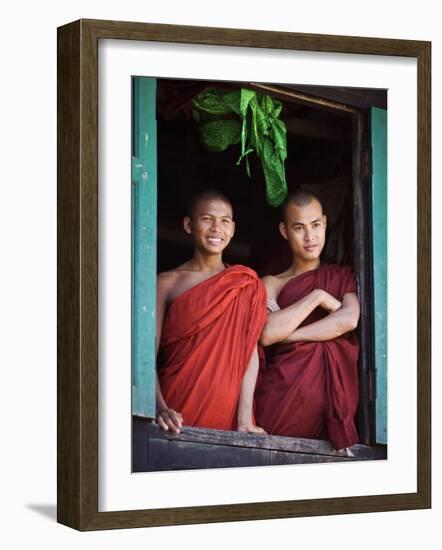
x=144, y=239
x=379, y=217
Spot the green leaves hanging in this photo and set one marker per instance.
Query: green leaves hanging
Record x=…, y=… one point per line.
x=229, y=117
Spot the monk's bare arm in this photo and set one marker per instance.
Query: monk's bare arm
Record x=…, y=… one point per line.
x=168, y=419
x=245, y=403
x=282, y=323
x=336, y=324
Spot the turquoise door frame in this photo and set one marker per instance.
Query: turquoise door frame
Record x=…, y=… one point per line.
x=379, y=256
x=144, y=239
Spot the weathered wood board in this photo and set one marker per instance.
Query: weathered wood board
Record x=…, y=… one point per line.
x=194, y=448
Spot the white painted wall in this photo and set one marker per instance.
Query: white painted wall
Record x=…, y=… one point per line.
x=28, y=271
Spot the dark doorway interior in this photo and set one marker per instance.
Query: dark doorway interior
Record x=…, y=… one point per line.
x=319, y=147
x=327, y=153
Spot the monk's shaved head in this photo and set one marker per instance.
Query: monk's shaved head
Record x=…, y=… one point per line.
x=208, y=194
x=300, y=197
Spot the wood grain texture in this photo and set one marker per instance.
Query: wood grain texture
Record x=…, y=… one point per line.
x=88, y=185
x=77, y=222
x=77, y=276
x=251, y=38
x=68, y=277
x=155, y=450
x=246, y=440
x=424, y=274
x=256, y=510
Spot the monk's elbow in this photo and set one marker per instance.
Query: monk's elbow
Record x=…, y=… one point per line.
x=352, y=322
x=266, y=338
x=346, y=324
x=352, y=326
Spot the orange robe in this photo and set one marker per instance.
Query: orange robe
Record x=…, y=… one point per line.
x=310, y=389
x=208, y=337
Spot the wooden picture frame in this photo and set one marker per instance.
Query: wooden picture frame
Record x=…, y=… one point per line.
x=77, y=223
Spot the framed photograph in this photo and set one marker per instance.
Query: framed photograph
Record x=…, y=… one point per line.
x=153, y=120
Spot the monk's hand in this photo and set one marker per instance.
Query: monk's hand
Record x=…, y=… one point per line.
x=328, y=302
x=168, y=419
x=251, y=429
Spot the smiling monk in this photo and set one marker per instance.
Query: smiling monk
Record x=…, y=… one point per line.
x=209, y=320
x=310, y=387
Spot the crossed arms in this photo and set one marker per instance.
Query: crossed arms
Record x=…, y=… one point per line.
x=283, y=324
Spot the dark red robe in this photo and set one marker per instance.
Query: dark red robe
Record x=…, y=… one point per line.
x=208, y=337
x=310, y=389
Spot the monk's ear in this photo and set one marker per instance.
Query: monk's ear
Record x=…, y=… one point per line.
x=233, y=228
x=283, y=230
x=187, y=224
x=324, y=221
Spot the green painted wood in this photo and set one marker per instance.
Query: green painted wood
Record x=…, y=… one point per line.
x=144, y=239
x=379, y=229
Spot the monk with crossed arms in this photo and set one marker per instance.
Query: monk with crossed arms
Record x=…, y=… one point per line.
x=309, y=389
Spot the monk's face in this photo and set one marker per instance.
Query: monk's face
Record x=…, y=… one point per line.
x=304, y=229
x=211, y=225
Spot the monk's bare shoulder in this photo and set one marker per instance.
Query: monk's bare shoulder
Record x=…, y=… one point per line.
x=171, y=276
x=274, y=283
x=167, y=277
x=166, y=282
x=173, y=283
